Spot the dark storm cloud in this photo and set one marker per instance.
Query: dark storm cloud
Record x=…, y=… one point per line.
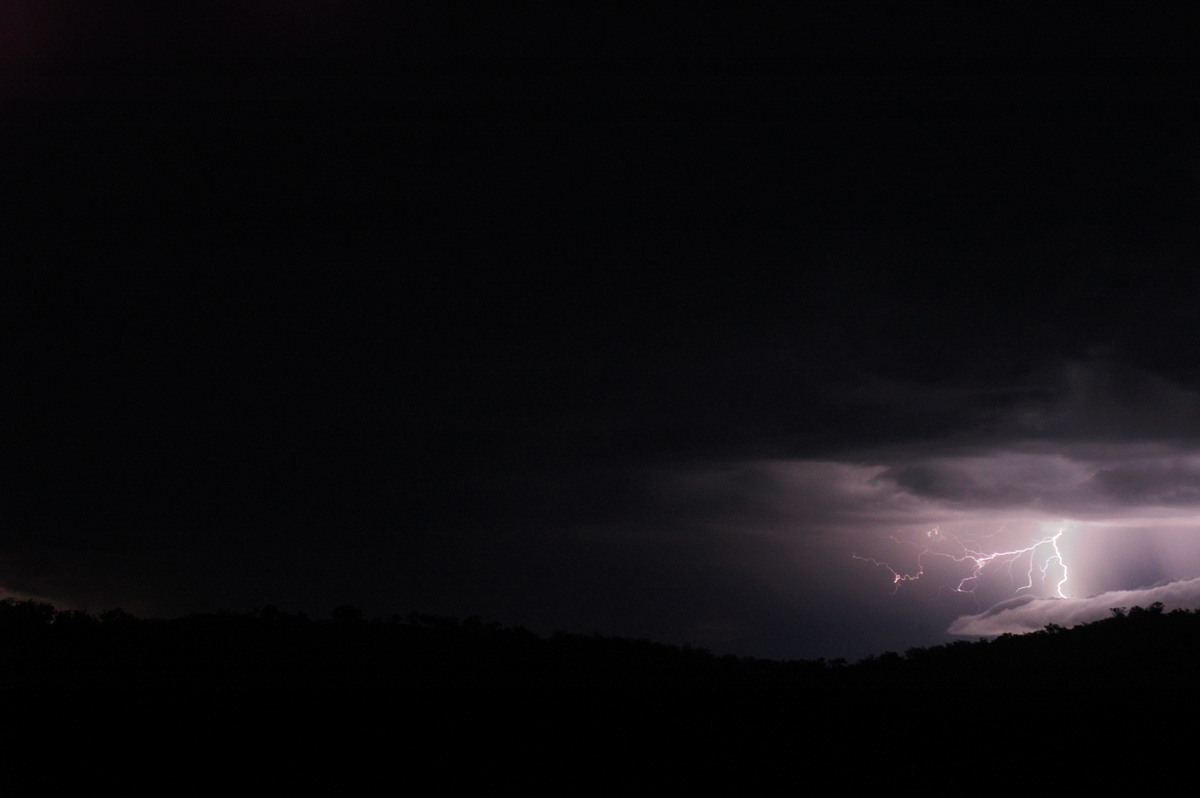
x=1089, y=483
x=1101, y=436
x=1105, y=398
x=1169, y=481
x=998, y=480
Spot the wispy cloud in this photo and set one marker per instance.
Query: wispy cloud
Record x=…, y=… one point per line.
x=1028, y=613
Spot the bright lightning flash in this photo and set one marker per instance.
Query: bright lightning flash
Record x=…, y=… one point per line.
x=1037, y=556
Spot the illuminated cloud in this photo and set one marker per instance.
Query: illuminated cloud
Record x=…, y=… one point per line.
x=1028, y=614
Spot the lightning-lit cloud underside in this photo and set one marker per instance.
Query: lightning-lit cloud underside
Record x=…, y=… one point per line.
x=1106, y=464
x=1121, y=509
x=1029, y=614
x=1124, y=515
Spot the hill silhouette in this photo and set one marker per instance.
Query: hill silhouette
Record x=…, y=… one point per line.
x=280, y=703
x=1136, y=649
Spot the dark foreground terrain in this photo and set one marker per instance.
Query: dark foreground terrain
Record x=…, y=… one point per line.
x=274, y=703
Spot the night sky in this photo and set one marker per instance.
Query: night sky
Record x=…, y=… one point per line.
x=647, y=326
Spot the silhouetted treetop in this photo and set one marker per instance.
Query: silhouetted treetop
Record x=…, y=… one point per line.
x=273, y=648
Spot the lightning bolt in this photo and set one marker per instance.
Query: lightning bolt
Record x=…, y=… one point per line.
x=1038, y=557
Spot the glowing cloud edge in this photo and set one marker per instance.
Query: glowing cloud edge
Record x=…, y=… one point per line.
x=1028, y=614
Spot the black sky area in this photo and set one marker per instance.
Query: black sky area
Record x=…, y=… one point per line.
x=455, y=309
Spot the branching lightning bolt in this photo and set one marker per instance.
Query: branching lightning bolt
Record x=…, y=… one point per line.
x=1038, y=556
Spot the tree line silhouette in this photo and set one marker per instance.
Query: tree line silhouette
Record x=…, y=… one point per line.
x=1135, y=648
x=283, y=703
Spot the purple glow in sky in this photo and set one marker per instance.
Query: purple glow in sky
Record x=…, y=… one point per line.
x=1062, y=525
x=965, y=530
